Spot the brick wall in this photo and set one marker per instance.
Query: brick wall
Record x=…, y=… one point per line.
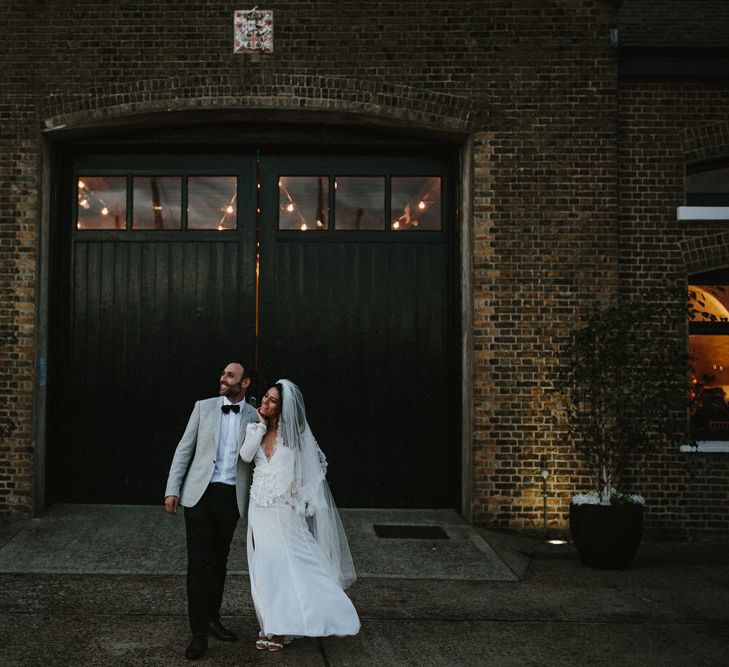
x=666, y=126
x=533, y=82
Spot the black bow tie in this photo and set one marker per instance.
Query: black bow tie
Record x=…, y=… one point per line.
x=227, y=408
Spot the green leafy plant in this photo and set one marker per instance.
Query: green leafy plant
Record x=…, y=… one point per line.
x=622, y=384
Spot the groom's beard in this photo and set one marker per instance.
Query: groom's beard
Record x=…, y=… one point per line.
x=232, y=391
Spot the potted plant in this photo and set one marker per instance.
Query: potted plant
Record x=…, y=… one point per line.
x=623, y=386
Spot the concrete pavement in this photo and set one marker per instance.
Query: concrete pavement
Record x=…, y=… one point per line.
x=533, y=605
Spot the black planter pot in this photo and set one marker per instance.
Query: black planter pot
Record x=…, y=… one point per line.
x=606, y=536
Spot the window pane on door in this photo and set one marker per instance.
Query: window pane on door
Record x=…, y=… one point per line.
x=157, y=202
x=212, y=202
x=102, y=202
x=416, y=203
x=303, y=202
x=359, y=202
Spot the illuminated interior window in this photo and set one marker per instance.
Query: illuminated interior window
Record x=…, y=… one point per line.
x=359, y=202
x=303, y=202
x=101, y=202
x=157, y=202
x=212, y=202
x=415, y=203
x=709, y=349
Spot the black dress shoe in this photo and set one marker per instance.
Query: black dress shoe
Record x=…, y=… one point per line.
x=197, y=647
x=219, y=631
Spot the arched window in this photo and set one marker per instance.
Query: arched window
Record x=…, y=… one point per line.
x=707, y=192
x=708, y=185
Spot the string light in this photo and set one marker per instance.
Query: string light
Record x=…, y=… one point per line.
x=228, y=210
x=407, y=219
x=292, y=208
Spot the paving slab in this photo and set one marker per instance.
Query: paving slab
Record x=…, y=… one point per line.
x=134, y=539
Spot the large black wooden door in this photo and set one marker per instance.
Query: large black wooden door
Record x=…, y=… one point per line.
x=335, y=271
x=146, y=321
x=361, y=316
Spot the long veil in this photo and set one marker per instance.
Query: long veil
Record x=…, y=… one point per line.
x=312, y=496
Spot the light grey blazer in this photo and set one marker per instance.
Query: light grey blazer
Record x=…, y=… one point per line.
x=200, y=443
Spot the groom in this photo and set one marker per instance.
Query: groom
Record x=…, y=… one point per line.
x=210, y=480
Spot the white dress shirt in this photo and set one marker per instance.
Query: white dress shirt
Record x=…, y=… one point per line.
x=227, y=456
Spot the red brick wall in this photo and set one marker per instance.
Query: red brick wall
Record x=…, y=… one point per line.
x=533, y=82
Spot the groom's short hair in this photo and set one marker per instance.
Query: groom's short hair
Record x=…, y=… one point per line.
x=248, y=371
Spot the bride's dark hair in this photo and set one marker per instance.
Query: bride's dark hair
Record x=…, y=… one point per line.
x=278, y=386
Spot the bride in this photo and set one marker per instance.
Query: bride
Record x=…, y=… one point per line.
x=298, y=557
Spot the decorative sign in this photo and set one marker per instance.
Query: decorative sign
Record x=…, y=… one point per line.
x=253, y=30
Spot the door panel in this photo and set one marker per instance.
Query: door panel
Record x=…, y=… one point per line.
x=363, y=322
x=145, y=323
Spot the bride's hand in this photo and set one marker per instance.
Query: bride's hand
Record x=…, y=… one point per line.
x=261, y=418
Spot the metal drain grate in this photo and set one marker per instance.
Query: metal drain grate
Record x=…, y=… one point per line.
x=411, y=532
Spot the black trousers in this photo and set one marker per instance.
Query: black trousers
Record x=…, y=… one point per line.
x=209, y=526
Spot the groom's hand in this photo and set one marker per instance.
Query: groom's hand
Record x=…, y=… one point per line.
x=171, y=503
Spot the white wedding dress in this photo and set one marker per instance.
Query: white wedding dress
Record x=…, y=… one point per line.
x=295, y=591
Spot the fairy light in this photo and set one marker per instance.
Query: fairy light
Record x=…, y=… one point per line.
x=292, y=208
x=227, y=210
x=89, y=200
x=407, y=219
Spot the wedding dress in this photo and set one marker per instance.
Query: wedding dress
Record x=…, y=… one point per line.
x=298, y=557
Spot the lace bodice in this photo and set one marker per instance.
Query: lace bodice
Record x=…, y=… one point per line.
x=273, y=478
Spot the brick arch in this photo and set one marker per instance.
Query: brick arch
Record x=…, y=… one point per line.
x=706, y=143
x=705, y=253
x=361, y=98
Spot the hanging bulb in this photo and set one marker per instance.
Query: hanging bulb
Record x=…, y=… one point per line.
x=81, y=185
x=319, y=223
x=304, y=227
x=290, y=208
x=396, y=224
x=229, y=210
x=421, y=205
x=84, y=203
x=104, y=211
